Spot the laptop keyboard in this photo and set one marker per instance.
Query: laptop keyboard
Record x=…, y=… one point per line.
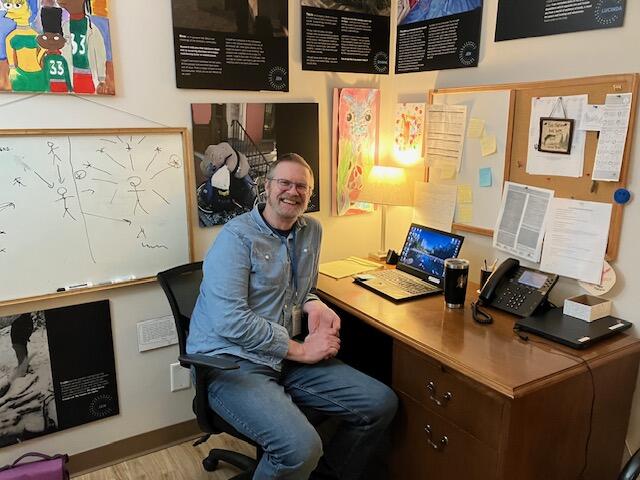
x=405, y=282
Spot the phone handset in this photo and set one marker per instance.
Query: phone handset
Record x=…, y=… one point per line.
x=489, y=289
x=506, y=268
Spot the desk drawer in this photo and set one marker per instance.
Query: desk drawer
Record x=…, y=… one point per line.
x=472, y=407
x=426, y=446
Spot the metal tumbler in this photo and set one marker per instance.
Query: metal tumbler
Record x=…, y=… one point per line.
x=456, y=272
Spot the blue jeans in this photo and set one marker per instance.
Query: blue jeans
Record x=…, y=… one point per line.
x=264, y=405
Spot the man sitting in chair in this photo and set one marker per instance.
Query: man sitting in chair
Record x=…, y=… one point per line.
x=258, y=278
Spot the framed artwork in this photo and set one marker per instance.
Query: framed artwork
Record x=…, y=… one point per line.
x=49, y=46
x=355, y=146
x=234, y=145
x=556, y=135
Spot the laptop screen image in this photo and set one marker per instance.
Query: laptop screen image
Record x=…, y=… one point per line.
x=425, y=251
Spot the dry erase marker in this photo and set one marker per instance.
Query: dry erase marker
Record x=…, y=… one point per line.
x=73, y=287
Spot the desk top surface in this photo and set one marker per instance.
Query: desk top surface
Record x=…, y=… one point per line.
x=490, y=354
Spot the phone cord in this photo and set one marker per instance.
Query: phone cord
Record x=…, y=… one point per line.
x=480, y=316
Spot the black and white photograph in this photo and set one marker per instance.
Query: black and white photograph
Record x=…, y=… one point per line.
x=57, y=370
x=235, y=143
x=27, y=406
x=231, y=44
x=373, y=7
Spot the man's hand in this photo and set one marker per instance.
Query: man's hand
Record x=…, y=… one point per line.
x=317, y=346
x=321, y=317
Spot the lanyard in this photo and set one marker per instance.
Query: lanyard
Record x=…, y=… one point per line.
x=294, y=261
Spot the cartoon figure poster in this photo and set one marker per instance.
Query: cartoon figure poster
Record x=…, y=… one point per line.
x=355, y=146
x=56, y=46
x=408, y=132
x=234, y=145
x=57, y=370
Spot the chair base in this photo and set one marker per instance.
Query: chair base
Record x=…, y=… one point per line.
x=243, y=462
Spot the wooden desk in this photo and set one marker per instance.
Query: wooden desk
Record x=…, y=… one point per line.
x=509, y=409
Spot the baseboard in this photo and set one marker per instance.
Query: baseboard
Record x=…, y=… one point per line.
x=132, y=447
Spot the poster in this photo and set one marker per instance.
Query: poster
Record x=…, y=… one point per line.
x=234, y=144
x=535, y=18
x=231, y=44
x=346, y=35
x=438, y=34
x=57, y=370
x=355, y=146
x=56, y=47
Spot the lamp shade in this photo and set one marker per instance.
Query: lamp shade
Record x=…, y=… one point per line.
x=387, y=186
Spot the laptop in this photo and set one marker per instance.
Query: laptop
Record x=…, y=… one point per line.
x=571, y=331
x=420, y=269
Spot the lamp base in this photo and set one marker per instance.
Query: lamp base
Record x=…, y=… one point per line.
x=379, y=255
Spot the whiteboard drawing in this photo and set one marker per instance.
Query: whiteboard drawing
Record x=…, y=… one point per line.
x=89, y=209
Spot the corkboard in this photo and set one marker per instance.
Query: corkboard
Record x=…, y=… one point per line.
x=582, y=188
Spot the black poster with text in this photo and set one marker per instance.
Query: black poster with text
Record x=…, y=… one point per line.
x=535, y=18
x=438, y=35
x=340, y=36
x=231, y=44
x=57, y=370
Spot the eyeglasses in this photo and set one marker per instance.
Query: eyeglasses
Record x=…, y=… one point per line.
x=285, y=184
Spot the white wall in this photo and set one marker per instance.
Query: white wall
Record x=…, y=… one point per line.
x=143, y=50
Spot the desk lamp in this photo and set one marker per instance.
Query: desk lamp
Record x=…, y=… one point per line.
x=386, y=186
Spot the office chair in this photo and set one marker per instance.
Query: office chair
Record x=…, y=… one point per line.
x=182, y=286
x=631, y=470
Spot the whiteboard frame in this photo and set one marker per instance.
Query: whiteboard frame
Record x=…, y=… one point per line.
x=189, y=184
x=508, y=139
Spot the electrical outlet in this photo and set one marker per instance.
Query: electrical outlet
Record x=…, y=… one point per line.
x=180, y=377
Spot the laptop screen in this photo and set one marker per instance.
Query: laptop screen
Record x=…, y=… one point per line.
x=425, y=251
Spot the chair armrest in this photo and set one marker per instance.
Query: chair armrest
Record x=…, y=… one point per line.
x=201, y=360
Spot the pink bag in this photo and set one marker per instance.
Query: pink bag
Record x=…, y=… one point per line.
x=44, y=468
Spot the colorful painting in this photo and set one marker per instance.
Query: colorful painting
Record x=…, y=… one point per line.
x=355, y=143
x=408, y=133
x=56, y=46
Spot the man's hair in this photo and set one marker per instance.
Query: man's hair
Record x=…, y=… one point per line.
x=290, y=157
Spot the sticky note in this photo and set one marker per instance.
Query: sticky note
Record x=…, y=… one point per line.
x=464, y=213
x=475, y=129
x=488, y=145
x=465, y=194
x=446, y=172
x=485, y=177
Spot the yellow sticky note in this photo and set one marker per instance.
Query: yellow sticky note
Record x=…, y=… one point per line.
x=475, y=129
x=488, y=145
x=465, y=194
x=446, y=172
x=464, y=213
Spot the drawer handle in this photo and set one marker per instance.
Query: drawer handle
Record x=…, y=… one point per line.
x=439, y=446
x=433, y=395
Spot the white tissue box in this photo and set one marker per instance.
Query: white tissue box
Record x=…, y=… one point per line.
x=587, y=307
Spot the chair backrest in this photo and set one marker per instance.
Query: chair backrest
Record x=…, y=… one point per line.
x=181, y=285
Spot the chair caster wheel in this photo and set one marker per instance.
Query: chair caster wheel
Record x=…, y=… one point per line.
x=210, y=464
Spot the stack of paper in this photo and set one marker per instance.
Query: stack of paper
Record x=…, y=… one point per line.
x=347, y=267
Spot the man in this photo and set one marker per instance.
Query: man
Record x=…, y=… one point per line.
x=258, y=278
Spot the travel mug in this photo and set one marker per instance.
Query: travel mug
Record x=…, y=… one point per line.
x=456, y=271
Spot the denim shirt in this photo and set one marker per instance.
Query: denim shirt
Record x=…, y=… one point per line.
x=248, y=292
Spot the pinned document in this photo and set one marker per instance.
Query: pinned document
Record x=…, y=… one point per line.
x=475, y=129
x=488, y=145
x=485, y=177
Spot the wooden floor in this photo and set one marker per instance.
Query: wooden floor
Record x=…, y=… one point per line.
x=182, y=462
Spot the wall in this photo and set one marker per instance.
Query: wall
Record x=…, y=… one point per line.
x=143, y=49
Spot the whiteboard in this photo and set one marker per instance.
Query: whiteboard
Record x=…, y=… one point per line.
x=492, y=106
x=90, y=208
